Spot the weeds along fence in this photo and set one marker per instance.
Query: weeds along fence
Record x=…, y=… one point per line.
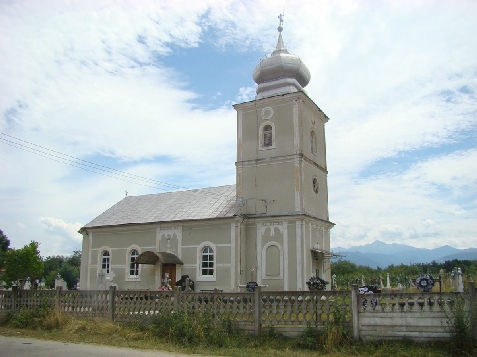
x=417, y=316
x=289, y=311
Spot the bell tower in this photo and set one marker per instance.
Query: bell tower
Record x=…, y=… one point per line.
x=281, y=175
x=281, y=152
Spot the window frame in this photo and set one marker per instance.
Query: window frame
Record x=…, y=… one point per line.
x=128, y=275
x=313, y=143
x=104, y=258
x=262, y=133
x=264, y=262
x=200, y=254
x=315, y=184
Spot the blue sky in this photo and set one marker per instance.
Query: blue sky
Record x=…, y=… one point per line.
x=148, y=87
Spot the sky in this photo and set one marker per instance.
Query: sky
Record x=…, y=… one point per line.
x=102, y=97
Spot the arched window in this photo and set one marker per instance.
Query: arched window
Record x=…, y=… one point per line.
x=315, y=185
x=133, y=268
x=105, y=262
x=313, y=142
x=272, y=261
x=267, y=135
x=207, y=262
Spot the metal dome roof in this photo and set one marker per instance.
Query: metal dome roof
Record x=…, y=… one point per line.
x=280, y=73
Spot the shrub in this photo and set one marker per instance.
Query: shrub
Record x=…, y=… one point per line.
x=55, y=320
x=193, y=329
x=310, y=339
x=335, y=333
x=29, y=317
x=316, y=283
x=461, y=324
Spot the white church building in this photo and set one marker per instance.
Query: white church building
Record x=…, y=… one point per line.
x=271, y=227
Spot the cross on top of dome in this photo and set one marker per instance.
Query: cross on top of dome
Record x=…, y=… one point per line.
x=280, y=73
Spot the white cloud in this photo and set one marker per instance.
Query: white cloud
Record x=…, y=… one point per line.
x=246, y=94
x=60, y=228
x=410, y=207
x=87, y=78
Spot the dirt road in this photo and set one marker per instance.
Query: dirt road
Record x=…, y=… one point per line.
x=23, y=347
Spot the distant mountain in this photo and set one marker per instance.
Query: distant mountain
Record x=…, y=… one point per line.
x=380, y=254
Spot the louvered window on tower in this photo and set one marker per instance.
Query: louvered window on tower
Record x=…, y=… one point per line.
x=267, y=136
x=313, y=142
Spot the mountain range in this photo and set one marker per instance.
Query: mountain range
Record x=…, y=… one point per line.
x=380, y=254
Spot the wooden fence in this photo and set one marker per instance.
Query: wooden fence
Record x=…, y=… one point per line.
x=418, y=316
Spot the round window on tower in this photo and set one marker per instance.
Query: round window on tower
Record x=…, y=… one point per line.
x=315, y=184
x=267, y=113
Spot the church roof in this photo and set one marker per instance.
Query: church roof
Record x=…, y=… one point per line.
x=205, y=203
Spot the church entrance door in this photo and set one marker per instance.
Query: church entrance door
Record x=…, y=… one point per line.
x=169, y=269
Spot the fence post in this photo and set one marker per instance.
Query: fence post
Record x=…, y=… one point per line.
x=58, y=297
x=177, y=292
x=14, y=298
x=112, y=298
x=355, y=311
x=472, y=292
x=214, y=306
x=257, y=303
x=473, y=302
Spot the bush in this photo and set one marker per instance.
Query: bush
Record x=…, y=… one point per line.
x=55, y=320
x=461, y=324
x=29, y=317
x=316, y=283
x=335, y=334
x=310, y=339
x=194, y=329
x=36, y=317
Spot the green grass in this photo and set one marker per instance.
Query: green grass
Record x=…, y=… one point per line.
x=200, y=334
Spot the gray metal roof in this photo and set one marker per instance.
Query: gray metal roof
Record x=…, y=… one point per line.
x=205, y=203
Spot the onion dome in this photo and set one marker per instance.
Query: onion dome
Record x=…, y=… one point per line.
x=280, y=73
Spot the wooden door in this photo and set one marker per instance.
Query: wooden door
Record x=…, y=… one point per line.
x=171, y=270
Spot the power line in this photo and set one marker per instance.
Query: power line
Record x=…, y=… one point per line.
x=85, y=165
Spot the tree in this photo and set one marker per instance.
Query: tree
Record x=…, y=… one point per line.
x=75, y=259
x=66, y=267
x=4, y=242
x=70, y=275
x=4, y=246
x=23, y=263
x=52, y=266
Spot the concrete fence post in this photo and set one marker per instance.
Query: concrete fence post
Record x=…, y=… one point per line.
x=58, y=298
x=473, y=302
x=214, y=306
x=355, y=311
x=177, y=293
x=257, y=304
x=112, y=301
x=14, y=298
x=472, y=293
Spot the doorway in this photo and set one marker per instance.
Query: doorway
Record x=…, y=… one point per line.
x=169, y=269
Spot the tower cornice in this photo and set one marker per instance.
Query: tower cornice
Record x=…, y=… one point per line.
x=280, y=159
x=279, y=99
